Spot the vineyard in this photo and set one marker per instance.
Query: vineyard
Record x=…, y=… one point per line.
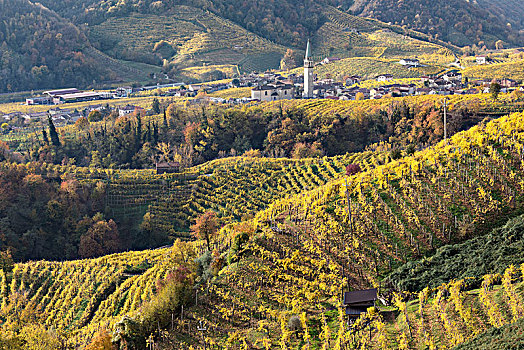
x=510, y=70
x=79, y=297
x=388, y=215
x=314, y=233
x=191, y=37
x=232, y=187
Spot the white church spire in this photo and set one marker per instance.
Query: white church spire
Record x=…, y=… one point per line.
x=308, y=73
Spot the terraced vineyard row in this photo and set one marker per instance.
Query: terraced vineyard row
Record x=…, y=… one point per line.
x=79, y=297
x=382, y=218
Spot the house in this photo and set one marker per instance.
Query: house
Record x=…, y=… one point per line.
x=122, y=111
x=354, y=79
x=384, y=77
x=452, y=76
x=124, y=91
x=482, y=59
x=508, y=83
x=167, y=167
x=273, y=92
x=45, y=100
x=358, y=301
x=328, y=60
x=410, y=62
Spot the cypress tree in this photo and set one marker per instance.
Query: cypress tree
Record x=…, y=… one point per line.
x=155, y=133
x=138, y=132
x=55, y=140
x=165, y=126
x=46, y=139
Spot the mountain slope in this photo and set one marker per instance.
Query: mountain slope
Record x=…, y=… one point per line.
x=510, y=11
x=38, y=49
x=189, y=37
x=457, y=21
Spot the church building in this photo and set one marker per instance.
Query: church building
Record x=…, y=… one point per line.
x=308, y=73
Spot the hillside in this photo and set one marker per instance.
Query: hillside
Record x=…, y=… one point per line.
x=294, y=255
x=38, y=49
x=510, y=70
x=509, y=11
x=190, y=37
x=459, y=22
x=478, y=256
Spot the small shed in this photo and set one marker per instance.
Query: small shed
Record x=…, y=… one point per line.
x=167, y=167
x=358, y=301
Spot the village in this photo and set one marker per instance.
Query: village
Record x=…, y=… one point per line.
x=268, y=86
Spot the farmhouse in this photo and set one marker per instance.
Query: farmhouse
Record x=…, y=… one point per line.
x=384, y=77
x=482, y=59
x=128, y=109
x=411, y=62
x=328, y=60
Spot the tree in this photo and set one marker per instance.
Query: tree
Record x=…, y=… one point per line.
x=205, y=227
x=352, y=169
x=102, y=238
x=288, y=61
x=156, y=106
x=81, y=123
x=101, y=341
x=94, y=116
x=55, y=140
x=6, y=261
x=494, y=89
x=395, y=154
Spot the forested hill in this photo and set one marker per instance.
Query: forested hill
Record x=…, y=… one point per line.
x=510, y=11
x=460, y=22
x=39, y=49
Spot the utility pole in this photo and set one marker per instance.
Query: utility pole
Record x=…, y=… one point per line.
x=445, y=119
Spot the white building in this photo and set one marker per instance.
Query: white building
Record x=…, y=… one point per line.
x=308, y=73
x=384, y=77
x=481, y=59
x=412, y=62
x=273, y=92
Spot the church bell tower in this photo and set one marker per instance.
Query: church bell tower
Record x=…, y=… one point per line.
x=308, y=73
